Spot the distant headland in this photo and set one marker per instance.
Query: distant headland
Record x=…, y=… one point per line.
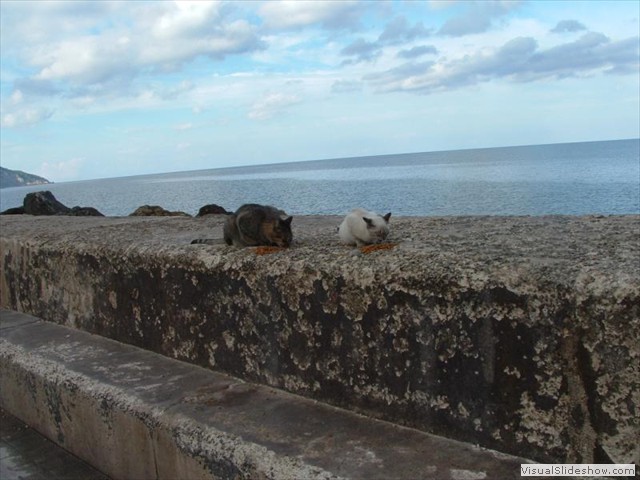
x=16, y=178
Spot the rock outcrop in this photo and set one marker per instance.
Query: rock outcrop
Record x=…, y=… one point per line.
x=17, y=178
x=44, y=203
x=155, y=211
x=85, y=212
x=13, y=211
x=211, y=209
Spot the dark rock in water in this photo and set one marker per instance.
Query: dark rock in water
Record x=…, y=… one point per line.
x=43, y=203
x=13, y=211
x=85, y=212
x=155, y=211
x=211, y=209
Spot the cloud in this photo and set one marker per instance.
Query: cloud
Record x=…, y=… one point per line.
x=186, y=19
x=65, y=170
x=418, y=51
x=49, y=22
x=84, y=60
x=219, y=56
x=173, y=92
x=478, y=18
x=517, y=60
x=272, y=104
x=16, y=97
x=591, y=52
x=168, y=50
x=399, y=31
x=396, y=32
x=361, y=51
x=295, y=14
x=412, y=77
x=346, y=86
x=568, y=26
x=25, y=117
x=86, y=51
x=36, y=87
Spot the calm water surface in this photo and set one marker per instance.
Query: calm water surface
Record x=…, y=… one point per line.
x=575, y=178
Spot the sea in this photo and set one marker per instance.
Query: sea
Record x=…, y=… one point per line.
x=568, y=179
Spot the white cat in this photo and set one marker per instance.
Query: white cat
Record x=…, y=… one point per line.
x=361, y=227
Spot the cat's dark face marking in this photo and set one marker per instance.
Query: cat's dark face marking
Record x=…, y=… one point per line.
x=377, y=232
x=278, y=232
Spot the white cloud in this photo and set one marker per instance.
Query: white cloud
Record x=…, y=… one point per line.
x=568, y=26
x=62, y=171
x=107, y=55
x=49, y=22
x=418, y=51
x=399, y=30
x=272, y=104
x=284, y=14
x=478, y=17
x=360, y=50
x=25, y=117
x=520, y=59
x=186, y=18
x=83, y=60
x=218, y=41
x=16, y=97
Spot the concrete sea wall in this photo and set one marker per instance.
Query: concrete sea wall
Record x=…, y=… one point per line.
x=518, y=334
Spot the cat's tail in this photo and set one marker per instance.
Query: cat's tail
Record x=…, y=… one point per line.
x=205, y=241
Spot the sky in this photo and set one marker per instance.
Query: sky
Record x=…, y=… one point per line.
x=95, y=89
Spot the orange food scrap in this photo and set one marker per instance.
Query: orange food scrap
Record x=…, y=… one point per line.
x=377, y=246
x=267, y=250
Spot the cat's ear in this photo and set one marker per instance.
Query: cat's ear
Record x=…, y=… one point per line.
x=287, y=221
x=368, y=221
x=387, y=217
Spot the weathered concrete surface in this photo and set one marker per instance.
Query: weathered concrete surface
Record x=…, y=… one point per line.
x=135, y=414
x=518, y=334
x=25, y=454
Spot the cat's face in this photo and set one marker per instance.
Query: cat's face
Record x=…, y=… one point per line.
x=381, y=233
x=378, y=232
x=377, y=228
x=279, y=232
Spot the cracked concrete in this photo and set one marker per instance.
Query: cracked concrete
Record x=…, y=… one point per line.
x=518, y=334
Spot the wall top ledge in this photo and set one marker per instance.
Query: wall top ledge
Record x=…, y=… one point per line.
x=560, y=249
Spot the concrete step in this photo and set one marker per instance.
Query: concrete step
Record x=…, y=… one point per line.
x=26, y=455
x=135, y=414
